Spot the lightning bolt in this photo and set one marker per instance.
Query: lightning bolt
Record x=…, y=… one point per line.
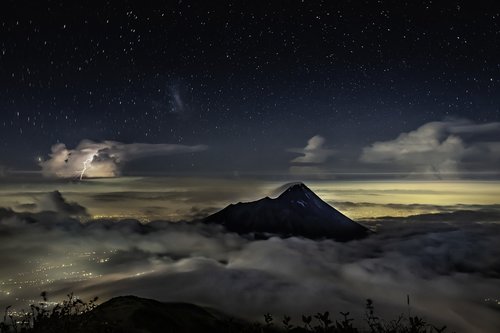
x=86, y=165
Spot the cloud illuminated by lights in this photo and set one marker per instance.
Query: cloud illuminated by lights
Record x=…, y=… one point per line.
x=104, y=159
x=439, y=148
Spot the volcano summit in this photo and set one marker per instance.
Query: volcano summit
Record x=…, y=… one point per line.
x=298, y=211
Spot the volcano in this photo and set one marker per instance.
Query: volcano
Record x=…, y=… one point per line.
x=298, y=211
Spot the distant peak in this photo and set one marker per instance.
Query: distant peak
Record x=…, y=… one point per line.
x=299, y=186
x=297, y=211
x=296, y=185
x=297, y=191
x=291, y=186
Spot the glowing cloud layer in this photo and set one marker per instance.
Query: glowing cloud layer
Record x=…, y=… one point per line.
x=103, y=159
x=439, y=148
x=448, y=264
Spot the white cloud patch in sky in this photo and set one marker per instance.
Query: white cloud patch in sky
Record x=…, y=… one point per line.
x=439, y=148
x=314, y=152
x=104, y=159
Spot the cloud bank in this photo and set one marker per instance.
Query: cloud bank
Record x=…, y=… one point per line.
x=440, y=148
x=104, y=159
x=448, y=268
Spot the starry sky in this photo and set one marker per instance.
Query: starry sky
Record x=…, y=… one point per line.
x=307, y=87
x=118, y=113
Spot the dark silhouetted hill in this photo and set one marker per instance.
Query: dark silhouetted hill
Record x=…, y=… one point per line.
x=298, y=211
x=131, y=314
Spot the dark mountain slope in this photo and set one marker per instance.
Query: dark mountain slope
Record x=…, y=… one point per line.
x=130, y=314
x=298, y=211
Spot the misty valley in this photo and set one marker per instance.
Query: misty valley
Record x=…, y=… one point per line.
x=291, y=255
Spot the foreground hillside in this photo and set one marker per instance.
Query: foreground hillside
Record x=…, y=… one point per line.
x=131, y=314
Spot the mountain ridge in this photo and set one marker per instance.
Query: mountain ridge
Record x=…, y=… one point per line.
x=297, y=211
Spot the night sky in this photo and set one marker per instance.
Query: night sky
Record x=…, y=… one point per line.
x=119, y=119
x=250, y=80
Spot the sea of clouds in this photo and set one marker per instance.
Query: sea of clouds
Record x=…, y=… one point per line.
x=448, y=266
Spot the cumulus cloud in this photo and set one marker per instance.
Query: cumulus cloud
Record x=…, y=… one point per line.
x=439, y=148
x=448, y=269
x=314, y=152
x=103, y=159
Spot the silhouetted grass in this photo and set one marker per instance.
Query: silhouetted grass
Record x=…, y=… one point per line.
x=75, y=315
x=63, y=317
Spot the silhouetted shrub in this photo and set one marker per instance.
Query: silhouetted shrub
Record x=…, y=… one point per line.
x=42, y=318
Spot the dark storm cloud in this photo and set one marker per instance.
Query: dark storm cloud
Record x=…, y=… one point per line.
x=104, y=159
x=54, y=201
x=440, y=148
x=447, y=268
